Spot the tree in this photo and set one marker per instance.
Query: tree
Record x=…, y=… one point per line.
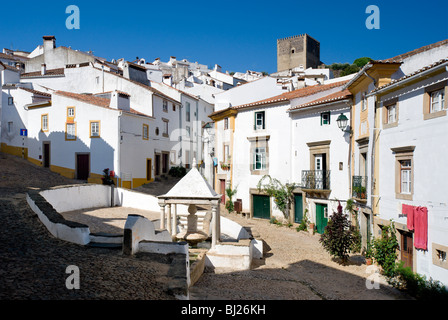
x=282, y=193
x=229, y=203
x=385, y=250
x=361, y=62
x=337, y=238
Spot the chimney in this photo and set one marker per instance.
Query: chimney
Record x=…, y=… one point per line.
x=217, y=68
x=49, y=43
x=172, y=60
x=43, y=69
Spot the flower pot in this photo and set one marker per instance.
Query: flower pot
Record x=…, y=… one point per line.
x=311, y=228
x=369, y=261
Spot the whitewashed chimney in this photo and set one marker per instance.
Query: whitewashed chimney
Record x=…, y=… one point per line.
x=49, y=43
x=43, y=69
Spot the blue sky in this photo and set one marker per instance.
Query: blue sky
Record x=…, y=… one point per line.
x=238, y=35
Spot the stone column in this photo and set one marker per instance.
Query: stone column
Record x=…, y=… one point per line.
x=168, y=219
x=162, y=216
x=215, y=231
x=174, y=229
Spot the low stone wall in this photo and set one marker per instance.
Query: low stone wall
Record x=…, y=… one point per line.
x=55, y=223
x=230, y=255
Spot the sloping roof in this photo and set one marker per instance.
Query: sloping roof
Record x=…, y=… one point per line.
x=428, y=67
x=302, y=92
x=50, y=72
x=405, y=55
x=88, y=98
x=36, y=92
x=191, y=186
x=336, y=96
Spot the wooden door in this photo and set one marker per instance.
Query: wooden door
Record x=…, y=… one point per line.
x=82, y=166
x=321, y=217
x=407, y=249
x=222, y=190
x=46, y=155
x=165, y=162
x=261, y=206
x=298, y=208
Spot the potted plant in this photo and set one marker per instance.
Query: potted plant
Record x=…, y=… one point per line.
x=311, y=228
x=368, y=254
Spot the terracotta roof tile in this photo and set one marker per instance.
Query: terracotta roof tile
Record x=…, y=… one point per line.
x=302, y=92
x=36, y=92
x=336, y=96
x=87, y=98
x=50, y=72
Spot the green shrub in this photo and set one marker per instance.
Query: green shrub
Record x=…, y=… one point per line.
x=385, y=250
x=337, y=238
x=177, y=172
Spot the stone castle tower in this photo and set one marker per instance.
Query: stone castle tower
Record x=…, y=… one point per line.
x=298, y=50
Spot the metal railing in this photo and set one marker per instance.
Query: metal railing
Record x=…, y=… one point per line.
x=316, y=179
x=359, y=187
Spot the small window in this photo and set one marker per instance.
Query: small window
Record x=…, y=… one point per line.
x=145, y=132
x=437, y=101
x=44, y=122
x=94, y=129
x=441, y=255
x=188, y=131
x=405, y=172
x=10, y=100
x=174, y=107
x=324, y=118
x=70, y=131
x=363, y=101
x=165, y=105
x=259, y=159
x=226, y=123
x=10, y=126
x=70, y=112
x=187, y=111
x=259, y=120
x=391, y=113
x=165, y=128
x=97, y=80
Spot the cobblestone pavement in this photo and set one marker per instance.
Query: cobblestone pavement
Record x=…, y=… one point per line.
x=33, y=263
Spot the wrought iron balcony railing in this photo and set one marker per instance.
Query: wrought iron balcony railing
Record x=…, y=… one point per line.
x=359, y=187
x=316, y=179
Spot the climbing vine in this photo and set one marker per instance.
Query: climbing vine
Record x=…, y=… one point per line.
x=282, y=193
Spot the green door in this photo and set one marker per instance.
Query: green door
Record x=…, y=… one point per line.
x=321, y=220
x=298, y=208
x=261, y=207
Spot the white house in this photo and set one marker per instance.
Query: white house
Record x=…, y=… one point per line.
x=412, y=174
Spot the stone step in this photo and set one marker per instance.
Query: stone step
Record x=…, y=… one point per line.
x=102, y=237
x=104, y=245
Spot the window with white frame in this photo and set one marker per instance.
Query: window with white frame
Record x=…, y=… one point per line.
x=325, y=118
x=259, y=120
x=145, y=132
x=44, y=122
x=406, y=177
x=226, y=123
x=70, y=112
x=363, y=101
x=437, y=102
x=259, y=159
x=94, y=129
x=391, y=113
x=165, y=128
x=70, y=131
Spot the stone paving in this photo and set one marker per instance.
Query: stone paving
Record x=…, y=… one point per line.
x=33, y=263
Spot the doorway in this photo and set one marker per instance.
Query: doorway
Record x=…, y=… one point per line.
x=261, y=206
x=148, y=169
x=321, y=217
x=298, y=207
x=222, y=190
x=82, y=166
x=46, y=159
x=407, y=249
x=157, y=168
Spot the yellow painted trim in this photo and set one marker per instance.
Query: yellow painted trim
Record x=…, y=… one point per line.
x=74, y=112
x=13, y=150
x=147, y=132
x=137, y=182
x=42, y=122
x=35, y=161
x=76, y=131
x=99, y=128
x=65, y=172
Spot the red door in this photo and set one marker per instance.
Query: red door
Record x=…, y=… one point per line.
x=223, y=190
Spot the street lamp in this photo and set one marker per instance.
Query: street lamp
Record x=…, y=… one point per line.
x=342, y=121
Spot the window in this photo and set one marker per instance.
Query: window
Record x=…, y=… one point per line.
x=324, y=118
x=10, y=100
x=259, y=120
x=391, y=113
x=187, y=110
x=226, y=153
x=363, y=101
x=226, y=123
x=94, y=129
x=71, y=112
x=437, y=101
x=405, y=172
x=165, y=105
x=44, y=122
x=145, y=132
x=259, y=159
x=165, y=128
x=10, y=126
x=174, y=107
x=70, y=131
x=97, y=80
x=404, y=176
x=188, y=131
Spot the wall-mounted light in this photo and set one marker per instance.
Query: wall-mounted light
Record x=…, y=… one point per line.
x=342, y=122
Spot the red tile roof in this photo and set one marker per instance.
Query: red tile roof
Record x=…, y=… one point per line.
x=336, y=96
x=39, y=93
x=87, y=98
x=50, y=72
x=302, y=92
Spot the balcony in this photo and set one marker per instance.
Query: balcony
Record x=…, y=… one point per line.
x=359, y=187
x=316, y=180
